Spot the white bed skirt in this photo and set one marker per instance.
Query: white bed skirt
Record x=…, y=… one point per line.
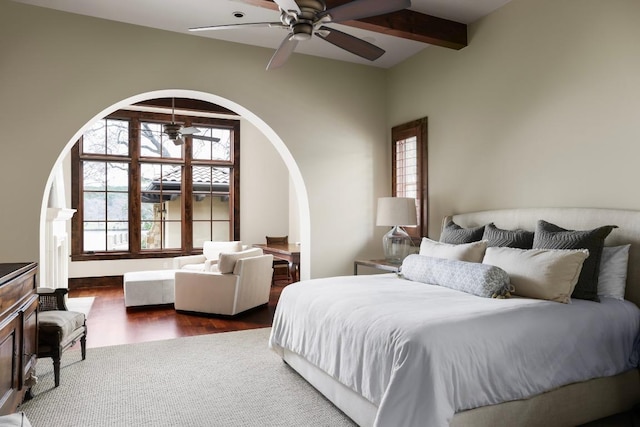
x=570, y=405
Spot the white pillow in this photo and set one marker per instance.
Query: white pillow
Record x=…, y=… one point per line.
x=211, y=250
x=549, y=274
x=470, y=252
x=612, y=279
x=227, y=260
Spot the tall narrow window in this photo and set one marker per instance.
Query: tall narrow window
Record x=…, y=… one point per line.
x=409, y=170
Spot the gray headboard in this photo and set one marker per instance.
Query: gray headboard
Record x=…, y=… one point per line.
x=628, y=230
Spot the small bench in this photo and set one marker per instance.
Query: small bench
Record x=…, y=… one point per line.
x=153, y=287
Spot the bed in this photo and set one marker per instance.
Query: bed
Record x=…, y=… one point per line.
x=395, y=352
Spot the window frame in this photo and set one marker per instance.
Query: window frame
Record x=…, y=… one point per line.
x=134, y=159
x=419, y=130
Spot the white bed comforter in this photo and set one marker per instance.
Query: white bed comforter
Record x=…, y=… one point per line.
x=420, y=352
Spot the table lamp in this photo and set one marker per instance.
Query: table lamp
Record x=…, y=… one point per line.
x=396, y=212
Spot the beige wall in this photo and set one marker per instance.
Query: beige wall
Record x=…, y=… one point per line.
x=58, y=71
x=541, y=109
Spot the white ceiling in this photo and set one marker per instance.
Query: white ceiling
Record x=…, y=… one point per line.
x=179, y=15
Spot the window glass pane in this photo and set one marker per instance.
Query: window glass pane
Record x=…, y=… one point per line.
x=205, y=149
x=220, y=230
x=201, y=233
x=95, y=205
x=406, y=167
x=154, y=142
x=117, y=207
x=95, y=236
x=117, y=176
x=152, y=235
x=147, y=231
x=161, y=206
x=117, y=137
x=117, y=236
x=94, y=176
x=173, y=235
x=107, y=136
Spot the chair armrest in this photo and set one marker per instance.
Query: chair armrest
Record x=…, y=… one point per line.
x=205, y=292
x=180, y=261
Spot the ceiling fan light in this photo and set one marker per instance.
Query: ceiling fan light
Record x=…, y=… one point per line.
x=302, y=31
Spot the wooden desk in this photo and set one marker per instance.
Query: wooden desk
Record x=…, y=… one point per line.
x=290, y=252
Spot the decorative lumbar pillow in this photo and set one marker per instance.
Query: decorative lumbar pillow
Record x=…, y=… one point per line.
x=550, y=236
x=548, y=274
x=227, y=260
x=471, y=252
x=454, y=234
x=612, y=279
x=470, y=277
x=521, y=239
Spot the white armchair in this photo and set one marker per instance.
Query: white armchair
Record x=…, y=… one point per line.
x=244, y=282
x=210, y=253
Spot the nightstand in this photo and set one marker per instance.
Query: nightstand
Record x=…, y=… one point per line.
x=380, y=264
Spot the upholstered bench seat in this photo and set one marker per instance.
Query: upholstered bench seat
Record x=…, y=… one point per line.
x=153, y=287
x=62, y=322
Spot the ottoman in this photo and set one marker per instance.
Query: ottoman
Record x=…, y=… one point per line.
x=152, y=287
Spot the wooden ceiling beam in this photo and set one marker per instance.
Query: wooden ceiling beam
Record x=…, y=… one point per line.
x=405, y=24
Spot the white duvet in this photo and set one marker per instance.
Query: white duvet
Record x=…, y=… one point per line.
x=421, y=352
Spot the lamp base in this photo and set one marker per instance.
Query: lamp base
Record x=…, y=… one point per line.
x=396, y=245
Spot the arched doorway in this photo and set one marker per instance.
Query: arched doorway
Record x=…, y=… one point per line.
x=50, y=245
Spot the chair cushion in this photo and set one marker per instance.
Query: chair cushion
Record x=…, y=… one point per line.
x=227, y=261
x=55, y=321
x=193, y=267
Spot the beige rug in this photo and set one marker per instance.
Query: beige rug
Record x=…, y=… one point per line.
x=224, y=379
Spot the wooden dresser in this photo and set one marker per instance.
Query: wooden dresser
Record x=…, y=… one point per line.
x=18, y=332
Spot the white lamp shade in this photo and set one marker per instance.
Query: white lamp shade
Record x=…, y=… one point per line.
x=396, y=211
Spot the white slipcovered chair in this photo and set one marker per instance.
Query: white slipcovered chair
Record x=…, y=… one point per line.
x=209, y=258
x=242, y=282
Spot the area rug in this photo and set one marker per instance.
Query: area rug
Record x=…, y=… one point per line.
x=223, y=379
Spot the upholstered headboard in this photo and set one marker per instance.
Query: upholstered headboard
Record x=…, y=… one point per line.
x=628, y=230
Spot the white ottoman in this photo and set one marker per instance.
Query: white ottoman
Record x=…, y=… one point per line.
x=149, y=287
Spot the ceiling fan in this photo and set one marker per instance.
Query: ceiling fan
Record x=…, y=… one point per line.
x=175, y=131
x=305, y=18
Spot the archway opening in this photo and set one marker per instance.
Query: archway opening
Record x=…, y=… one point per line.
x=295, y=177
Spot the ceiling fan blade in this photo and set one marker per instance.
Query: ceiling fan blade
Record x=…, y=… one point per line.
x=234, y=26
x=288, y=5
x=350, y=43
x=359, y=9
x=189, y=131
x=283, y=53
x=178, y=141
x=206, y=138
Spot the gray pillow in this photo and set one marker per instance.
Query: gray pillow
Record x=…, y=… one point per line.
x=473, y=278
x=520, y=239
x=550, y=236
x=453, y=234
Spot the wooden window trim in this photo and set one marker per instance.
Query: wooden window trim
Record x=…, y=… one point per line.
x=134, y=159
x=419, y=129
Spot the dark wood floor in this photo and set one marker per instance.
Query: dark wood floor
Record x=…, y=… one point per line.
x=110, y=323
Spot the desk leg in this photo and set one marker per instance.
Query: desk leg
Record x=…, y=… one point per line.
x=295, y=271
x=355, y=268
